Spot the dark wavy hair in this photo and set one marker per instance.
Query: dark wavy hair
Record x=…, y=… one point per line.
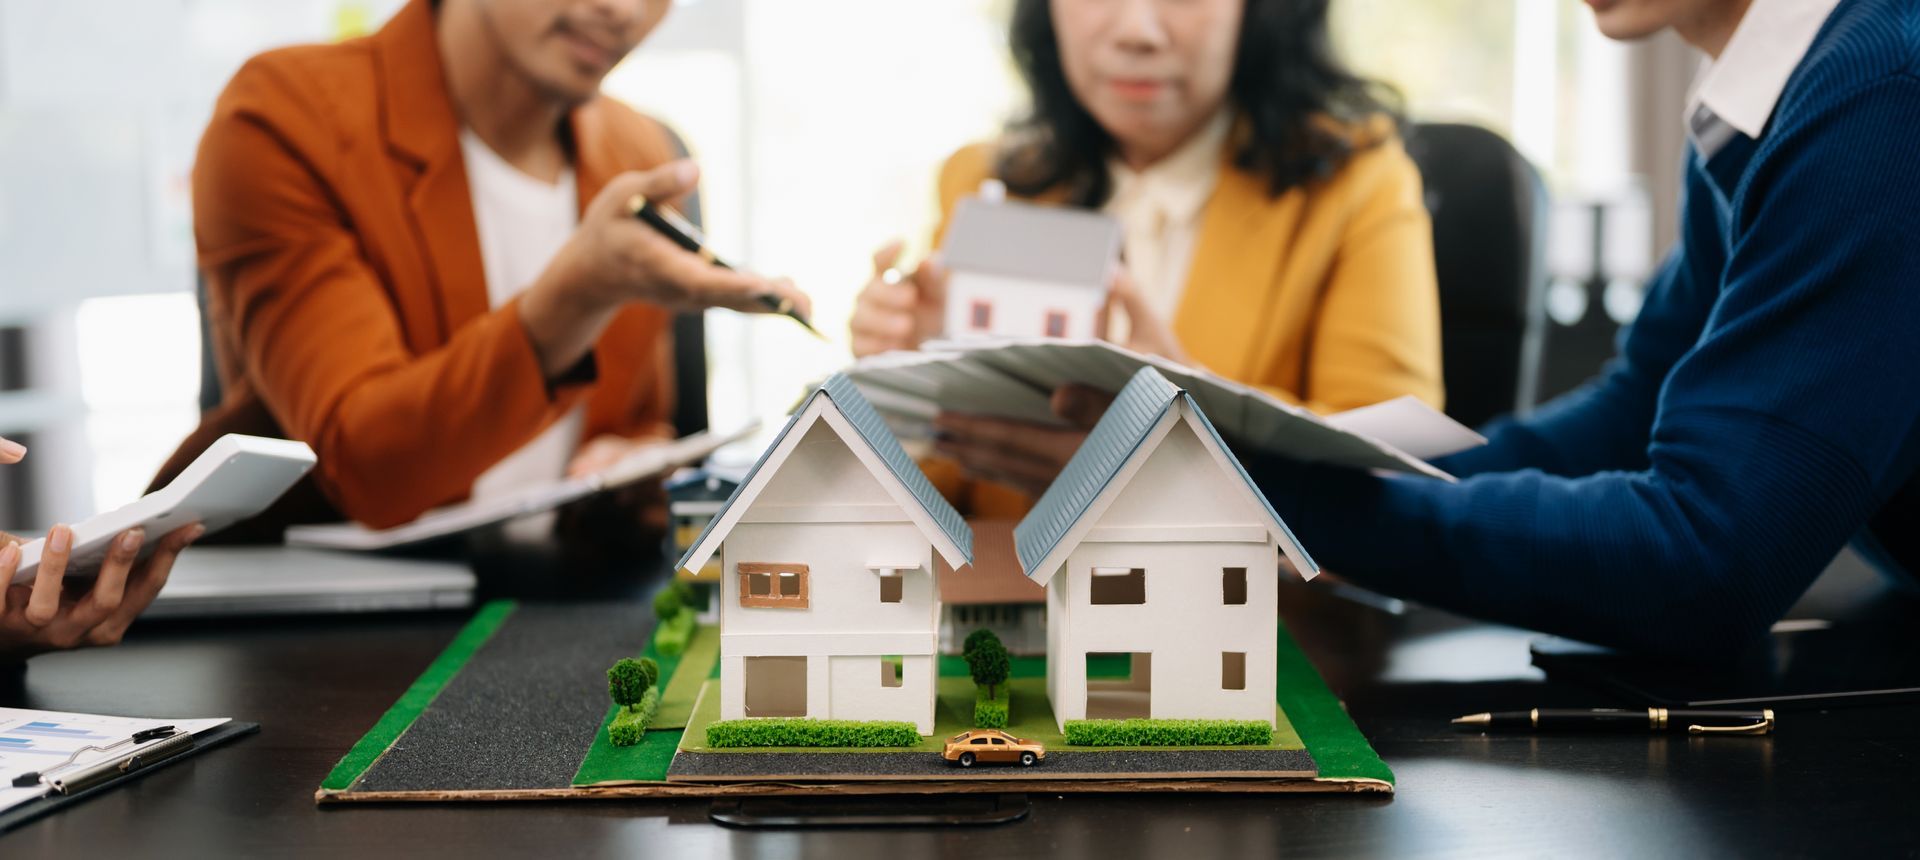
x=1302, y=107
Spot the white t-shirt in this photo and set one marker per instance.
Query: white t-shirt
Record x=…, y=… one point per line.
x=522, y=223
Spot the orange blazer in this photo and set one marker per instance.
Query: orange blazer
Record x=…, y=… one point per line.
x=347, y=299
x=1324, y=296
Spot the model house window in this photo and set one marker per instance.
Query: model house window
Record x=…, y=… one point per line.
x=1233, y=670
x=1118, y=585
x=892, y=672
x=890, y=588
x=1233, y=586
x=982, y=316
x=773, y=584
x=1056, y=324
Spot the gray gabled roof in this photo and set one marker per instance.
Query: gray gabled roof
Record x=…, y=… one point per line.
x=1112, y=444
x=1022, y=240
x=867, y=424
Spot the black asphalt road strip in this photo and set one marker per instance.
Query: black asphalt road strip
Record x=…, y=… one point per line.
x=1118, y=764
x=523, y=711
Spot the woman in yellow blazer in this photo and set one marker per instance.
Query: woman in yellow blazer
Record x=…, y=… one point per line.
x=1275, y=230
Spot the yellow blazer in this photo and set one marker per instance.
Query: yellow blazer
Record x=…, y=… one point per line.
x=1324, y=296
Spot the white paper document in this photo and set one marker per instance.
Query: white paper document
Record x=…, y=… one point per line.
x=465, y=516
x=1015, y=378
x=38, y=741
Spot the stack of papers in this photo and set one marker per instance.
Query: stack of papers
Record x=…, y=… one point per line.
x=465, y=516
x=38, y=741
x=1014, y=378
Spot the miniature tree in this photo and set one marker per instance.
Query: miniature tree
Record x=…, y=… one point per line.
x=652, y=670
x=975, y=638
x=988, y=662
x=668, y=603
x=628, y=680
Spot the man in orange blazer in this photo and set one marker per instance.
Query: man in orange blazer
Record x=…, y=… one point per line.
x=420, y=259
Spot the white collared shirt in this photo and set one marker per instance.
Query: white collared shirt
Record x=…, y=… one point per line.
x=1737, y=91
x=1159, y=210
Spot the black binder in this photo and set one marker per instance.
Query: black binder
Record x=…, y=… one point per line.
x=54, y=802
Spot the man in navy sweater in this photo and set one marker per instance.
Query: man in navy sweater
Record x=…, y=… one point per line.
x=1765, y=406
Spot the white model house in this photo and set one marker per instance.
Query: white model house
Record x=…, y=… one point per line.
x=1160, y=558
x=828, y=603
x=1021, y=270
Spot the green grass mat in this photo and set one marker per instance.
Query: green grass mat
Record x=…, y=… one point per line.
x=647, y=761
x=1312, y=717
x=702, y=658
x=1338, y=748
x=417, y=697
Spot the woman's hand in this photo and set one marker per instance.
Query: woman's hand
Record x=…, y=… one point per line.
x=49, y=616
x=1020, y=454
x=1146, y=331
x=898, y=310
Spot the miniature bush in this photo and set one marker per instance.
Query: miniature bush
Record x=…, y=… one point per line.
x=689, y=595
x=988, y=662
x=628, y=680
x=988, y=712
x=1168, y=733
x=804, y=732
x=668, y=603
x=671, y=635
x=630, y=724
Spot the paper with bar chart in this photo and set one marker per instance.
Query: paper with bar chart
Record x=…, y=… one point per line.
x=32, y=741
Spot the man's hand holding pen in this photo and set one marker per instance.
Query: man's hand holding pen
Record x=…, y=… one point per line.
x=613, y=259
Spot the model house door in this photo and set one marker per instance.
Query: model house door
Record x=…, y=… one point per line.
x=776, y=686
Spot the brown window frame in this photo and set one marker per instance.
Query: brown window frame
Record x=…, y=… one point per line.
x=746, y=570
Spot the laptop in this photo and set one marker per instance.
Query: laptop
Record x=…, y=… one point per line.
x=278, y=580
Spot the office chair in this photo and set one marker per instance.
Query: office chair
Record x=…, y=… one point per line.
x=1489, y=209
x=689, y=345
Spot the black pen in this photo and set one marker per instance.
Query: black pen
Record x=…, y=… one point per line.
x=1690, y=721
x=676, y=227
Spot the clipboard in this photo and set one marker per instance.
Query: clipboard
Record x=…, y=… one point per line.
x=32, y=810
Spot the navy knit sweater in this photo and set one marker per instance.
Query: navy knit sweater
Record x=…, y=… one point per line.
x=1763, y=411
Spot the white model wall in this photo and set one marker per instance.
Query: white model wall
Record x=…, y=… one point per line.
x=825, y=510
x=1183, y=624
x=857, y=693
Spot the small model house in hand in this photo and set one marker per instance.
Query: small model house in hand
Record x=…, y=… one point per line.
x=828, y=601
x=1021, y=270
x=1160, y=558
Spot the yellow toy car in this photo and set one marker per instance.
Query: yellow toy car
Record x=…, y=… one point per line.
x=991, y=746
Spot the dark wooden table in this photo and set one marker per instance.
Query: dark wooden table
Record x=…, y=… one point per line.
x=1831, y=783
